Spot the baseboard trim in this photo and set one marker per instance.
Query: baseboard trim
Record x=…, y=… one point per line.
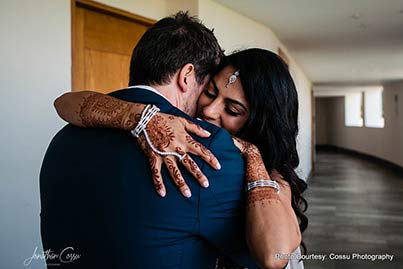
x=393, y=166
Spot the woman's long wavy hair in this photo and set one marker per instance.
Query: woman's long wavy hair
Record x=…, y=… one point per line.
x=273, y=122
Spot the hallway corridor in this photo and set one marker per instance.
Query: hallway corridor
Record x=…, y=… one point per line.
x=355, y=206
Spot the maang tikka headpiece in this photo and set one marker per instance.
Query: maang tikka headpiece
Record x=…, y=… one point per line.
x=232, y=78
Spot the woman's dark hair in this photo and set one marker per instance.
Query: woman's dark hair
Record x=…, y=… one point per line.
x=273, y=122
x=168, y=45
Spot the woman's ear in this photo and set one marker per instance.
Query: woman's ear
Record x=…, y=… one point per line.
x=186, y=77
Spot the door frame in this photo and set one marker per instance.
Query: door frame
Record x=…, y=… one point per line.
x=77, y=59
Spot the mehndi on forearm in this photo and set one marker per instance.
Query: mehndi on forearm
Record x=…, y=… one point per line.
x=256, y=170
x=99, y=110
x=271, y=223
x=91, y=109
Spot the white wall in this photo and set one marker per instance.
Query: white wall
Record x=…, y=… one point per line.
x=36, y=62
x=235, y=31
x=152, y=9
x=385, y=143
x=35, y=55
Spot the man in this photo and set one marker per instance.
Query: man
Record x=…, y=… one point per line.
x=96, y=194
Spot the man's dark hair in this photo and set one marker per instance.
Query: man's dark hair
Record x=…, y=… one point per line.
x=170, y=44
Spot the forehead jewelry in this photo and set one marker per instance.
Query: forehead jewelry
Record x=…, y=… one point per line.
x=232, y=78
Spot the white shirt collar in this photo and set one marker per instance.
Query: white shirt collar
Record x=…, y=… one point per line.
x=148, y=88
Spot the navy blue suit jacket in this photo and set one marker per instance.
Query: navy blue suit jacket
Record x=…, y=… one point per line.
x=97, y=198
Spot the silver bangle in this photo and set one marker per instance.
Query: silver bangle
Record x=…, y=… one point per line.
x=263, y=183
x=148, y=113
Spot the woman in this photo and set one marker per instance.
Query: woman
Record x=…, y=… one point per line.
x=253, y=96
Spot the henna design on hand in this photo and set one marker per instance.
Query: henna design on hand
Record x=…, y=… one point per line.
x=188, y=161
x=160, y=133
x=255, y=168
x=242, y=145
x=153, y=159
x=175, y=172
x=166, y=133
x=196, y=144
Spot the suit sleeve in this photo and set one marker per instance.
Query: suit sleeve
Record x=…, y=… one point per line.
x=222, y=207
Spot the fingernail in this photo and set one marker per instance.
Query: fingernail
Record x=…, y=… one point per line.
x=162, y=193
x=188, y=194
x=207, y=132
x=218, y=166
x=205, y=184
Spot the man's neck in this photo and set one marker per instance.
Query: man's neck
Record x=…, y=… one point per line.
x=171, y=93
x=168, y=93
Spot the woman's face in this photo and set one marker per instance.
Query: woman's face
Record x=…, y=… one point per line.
x=223, y=106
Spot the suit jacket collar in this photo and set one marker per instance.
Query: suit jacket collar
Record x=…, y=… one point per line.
x=140, y=95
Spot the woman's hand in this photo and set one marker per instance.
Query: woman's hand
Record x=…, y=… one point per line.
x=166, y=132
x=245, y=147
x=171, y=133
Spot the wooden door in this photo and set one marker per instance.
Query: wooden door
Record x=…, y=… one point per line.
x=103, y=39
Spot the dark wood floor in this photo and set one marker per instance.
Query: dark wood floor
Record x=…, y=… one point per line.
x=355, y=206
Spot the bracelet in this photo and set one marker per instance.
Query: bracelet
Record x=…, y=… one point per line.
x=148, y=113
x=263, y=183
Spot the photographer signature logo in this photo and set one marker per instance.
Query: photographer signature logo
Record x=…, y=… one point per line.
x=67, y=255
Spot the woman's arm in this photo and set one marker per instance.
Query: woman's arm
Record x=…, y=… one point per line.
x=272, y=226
x=91, y=109
x=166, y=132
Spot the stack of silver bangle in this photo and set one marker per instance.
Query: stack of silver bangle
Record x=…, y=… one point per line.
x=263, y=183
x=148, y=113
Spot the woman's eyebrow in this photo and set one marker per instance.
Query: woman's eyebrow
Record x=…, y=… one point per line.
x=229, y=99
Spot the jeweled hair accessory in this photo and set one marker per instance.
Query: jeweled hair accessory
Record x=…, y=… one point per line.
x=232, y=78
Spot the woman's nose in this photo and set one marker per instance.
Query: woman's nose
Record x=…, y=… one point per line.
x=212, y=111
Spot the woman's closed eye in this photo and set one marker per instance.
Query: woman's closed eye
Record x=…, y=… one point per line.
x=230, y=108
x=210, y=93
x=232, y=111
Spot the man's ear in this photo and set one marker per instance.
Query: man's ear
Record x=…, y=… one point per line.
x=186, y=77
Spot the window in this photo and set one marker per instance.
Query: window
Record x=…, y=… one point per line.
x=373, y=106
x=353, y=105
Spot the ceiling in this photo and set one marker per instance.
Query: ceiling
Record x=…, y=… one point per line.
x=336, y=42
